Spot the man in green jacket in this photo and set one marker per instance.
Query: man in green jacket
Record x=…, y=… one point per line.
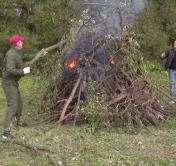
x=12, y=72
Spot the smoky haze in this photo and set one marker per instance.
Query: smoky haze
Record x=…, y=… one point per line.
x=138, y=5
x=104, y=17
x=100, y=22
x=112, y=14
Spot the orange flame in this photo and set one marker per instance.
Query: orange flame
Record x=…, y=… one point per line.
x=71, y=64
x=112, y=61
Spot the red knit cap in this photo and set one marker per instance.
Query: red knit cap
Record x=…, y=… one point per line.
x=14, y=39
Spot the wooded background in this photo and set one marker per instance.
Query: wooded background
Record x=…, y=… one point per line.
x=45, y=22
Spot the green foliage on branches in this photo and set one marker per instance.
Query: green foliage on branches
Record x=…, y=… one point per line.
x=94, y=110
x=130, y=49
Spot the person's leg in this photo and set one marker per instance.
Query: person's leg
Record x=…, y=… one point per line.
x=174, y=73
x=19, y=109
x=11, y=93
x=172, y=82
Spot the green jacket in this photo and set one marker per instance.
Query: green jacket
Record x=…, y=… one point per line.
x=13, y=64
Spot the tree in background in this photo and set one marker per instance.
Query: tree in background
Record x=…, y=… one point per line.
x=157, y=26
x=43, y=22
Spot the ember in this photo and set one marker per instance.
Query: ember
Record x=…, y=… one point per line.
x=72, y=64
x=112, y=61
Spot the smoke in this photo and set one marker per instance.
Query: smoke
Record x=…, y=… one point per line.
x=138, y=5
x=107, y=16
x=102, y=18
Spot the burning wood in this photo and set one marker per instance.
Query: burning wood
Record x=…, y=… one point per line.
x=124, y=92
x=121, y=91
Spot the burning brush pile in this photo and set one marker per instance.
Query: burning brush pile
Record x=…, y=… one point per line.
x=112, y=90
x=103, y=81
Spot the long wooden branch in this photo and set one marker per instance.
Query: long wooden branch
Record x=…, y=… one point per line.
x=33, y=149
x=77, y=105
x=70, y=97
x=63, y=117
x=30, y=147
x=44, y=51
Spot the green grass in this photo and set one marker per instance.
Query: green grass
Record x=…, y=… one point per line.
x=154, y=146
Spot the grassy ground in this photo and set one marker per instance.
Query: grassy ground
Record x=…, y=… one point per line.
x=154, y=146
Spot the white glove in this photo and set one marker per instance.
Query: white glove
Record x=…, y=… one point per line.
x=163, y=55
x=27, y=70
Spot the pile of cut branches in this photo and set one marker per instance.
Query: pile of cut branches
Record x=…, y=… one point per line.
x=122, y=96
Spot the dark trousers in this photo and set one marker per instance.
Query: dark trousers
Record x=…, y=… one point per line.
x=14, y=102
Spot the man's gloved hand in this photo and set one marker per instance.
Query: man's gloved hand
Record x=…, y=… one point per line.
x=27, y=70
x=163, y=55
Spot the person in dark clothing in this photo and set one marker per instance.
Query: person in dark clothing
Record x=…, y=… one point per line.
x=170, y=56
x=12, y=72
